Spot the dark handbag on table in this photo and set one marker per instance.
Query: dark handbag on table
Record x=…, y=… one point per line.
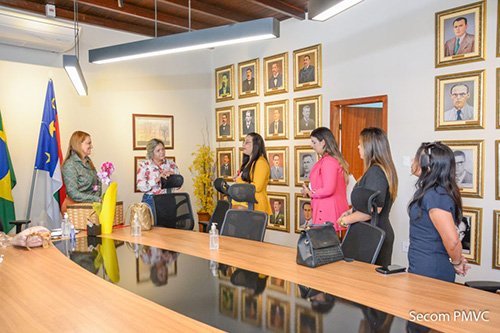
x=318, y=245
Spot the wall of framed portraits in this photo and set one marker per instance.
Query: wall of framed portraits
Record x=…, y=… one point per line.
x=368, y=55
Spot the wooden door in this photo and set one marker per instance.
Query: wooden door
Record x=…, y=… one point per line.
x=348, y=118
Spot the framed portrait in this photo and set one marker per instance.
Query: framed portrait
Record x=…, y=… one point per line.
x=276, y=120
x=498, y=98
x=307, y=115
x=248, y=84
x=278, y=160
x=279, y=219
x=307, y=320
x=224, y=124
x=281, y=285
x=303, y=212
x=225, y=163
x=137, y=162
x=496, y=239
x=224, y=83
x=460, y=34
x=305, y=157
x=249, y=119
x=240, y=162
x=459, y=101
x=276, y=74
x=497, y=171
x=228, y=301
x=469, y=232
x=148, y=126
x=469, y=162
x=307, y=68
x=251, y=308
x=277, y=315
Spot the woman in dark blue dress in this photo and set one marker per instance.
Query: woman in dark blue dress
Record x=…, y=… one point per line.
x=435, y=212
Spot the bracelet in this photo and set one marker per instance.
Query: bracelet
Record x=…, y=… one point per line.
x=342, y=223
x=454, y=264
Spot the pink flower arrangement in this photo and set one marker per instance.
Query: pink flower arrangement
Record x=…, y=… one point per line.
x=107, y=169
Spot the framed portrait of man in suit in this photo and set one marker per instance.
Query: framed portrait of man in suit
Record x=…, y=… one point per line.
x=277, y=314
x=460, y=34
x=251, y=308
x=303, y=212
x=469, y=234
x=224, y=83
x=279, y=219
x=497, y=169
x=249, y=119
x=278, y=161
x=228, y=301
x=307, y=68
x=307, y=115
x=276, y=74
x=460, y=101
x=276, y=120
x=307, y=320
x=225, y=163
x=469, y=160
x=305, y=157
x=496, y=239
x=248, y=83
x=224, y=124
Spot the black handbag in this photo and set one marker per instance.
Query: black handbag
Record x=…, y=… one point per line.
x=318, y=245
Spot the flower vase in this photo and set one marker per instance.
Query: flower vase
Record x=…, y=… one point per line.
x=110, y=259
x=107, y=215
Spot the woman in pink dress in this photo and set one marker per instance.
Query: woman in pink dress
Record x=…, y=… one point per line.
x=328, y=179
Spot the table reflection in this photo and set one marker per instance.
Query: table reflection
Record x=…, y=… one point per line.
x=223, y=296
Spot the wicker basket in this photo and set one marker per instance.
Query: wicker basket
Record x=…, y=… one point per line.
x=79, y=213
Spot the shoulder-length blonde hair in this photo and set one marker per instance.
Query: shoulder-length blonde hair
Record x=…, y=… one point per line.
x=75, y=146
x=332, y=148
x=377, y=151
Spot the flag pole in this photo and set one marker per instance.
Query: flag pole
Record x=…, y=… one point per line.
x=28, y=213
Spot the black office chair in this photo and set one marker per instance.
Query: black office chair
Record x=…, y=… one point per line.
x=19, y=224
x=241, y=223
x=221, y=207
x=363, y=241
x=490, y=286
x=173, y=210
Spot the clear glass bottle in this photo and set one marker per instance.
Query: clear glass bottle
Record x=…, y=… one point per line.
x=65, y=225
x=135, y=228
x=214, y=237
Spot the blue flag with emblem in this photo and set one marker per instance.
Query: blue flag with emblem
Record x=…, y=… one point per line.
x=7, y=182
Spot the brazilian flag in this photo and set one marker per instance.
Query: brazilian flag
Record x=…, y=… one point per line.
x=7, y=182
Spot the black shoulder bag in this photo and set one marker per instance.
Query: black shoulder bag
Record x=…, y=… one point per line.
x=319, y=245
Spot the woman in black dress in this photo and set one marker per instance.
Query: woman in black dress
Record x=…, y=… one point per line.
x=380, y=175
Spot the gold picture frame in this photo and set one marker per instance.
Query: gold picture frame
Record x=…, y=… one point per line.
x=224, y=124
x=249, y=119
x=470, y=22
x=496, y=239
x=148, y=126
x=303, y=210
x=277, y=315
x=454, y=95
x=276, y=120
x=307, y=68
x=251, y=308
x=276, y=74
x=470, y=234
x=305, y=157
x=278, y=161
x=224, y=83
x=279, y=219
x=228, y=301
x=306, y=320
x=307, y=113
x=498, y=99
x=225, y=159
x=277, y=284
x=137, y=162
x=469, y=159
x=497, y=171
x=248, y=84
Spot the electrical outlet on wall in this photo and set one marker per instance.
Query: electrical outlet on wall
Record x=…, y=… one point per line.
x=404, y=245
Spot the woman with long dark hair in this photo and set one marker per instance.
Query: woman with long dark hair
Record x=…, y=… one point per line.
x=435, y=212
x=328, y=177
x=255, y=170
x=380, y=175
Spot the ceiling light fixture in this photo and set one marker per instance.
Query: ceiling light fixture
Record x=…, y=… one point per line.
x=260, y=29
x=322, y=10
x=71, y=63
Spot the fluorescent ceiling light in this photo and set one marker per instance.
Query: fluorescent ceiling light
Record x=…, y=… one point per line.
x=322, y=10
x=72, y=67
x=260, y=29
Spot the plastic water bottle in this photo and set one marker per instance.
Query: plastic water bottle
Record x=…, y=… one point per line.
x=214, y=268
x=72, y=232
x=65, y=229
x=214, y=237
x=135, y=229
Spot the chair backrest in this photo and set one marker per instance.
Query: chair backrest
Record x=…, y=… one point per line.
x=362, y=242
x=247, y=224
x=173, y=210
x=219, y=213
x=243, y=193
x=173, y=181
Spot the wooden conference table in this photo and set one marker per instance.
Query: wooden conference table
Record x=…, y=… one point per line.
x=43, y=291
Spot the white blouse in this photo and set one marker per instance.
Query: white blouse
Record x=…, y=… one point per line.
x=148, y=173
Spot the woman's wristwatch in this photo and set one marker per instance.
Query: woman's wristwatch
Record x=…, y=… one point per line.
x=453, y=263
